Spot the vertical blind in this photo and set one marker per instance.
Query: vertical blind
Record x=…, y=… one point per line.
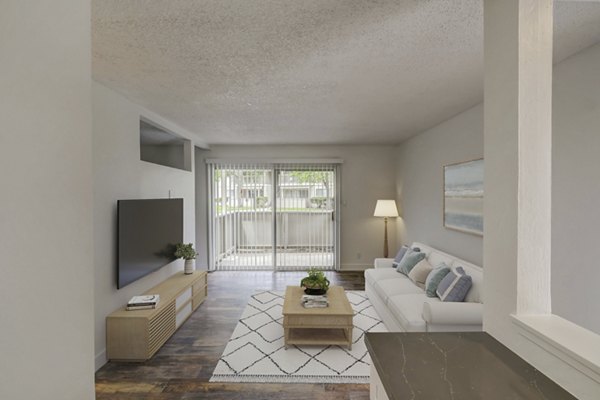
x=306, y=220
x=241, y=217
x=273, y=216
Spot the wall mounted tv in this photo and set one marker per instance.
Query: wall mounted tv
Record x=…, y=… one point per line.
x=148, y=231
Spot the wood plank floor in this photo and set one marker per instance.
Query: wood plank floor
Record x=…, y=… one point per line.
x=183, y=366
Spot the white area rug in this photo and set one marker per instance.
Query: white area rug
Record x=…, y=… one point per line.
x=256, y=353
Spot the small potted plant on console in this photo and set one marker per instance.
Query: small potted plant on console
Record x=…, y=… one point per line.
x=315, y=283
x=187, y=252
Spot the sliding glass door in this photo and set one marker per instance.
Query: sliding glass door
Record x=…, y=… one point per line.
x=305, y=222
x=273, y=217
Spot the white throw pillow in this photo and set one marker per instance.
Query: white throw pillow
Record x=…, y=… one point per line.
x=420, y=272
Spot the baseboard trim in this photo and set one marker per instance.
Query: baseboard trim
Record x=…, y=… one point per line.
x=100, y=360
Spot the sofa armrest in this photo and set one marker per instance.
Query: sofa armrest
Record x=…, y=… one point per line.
x=452, y=313
x=383, y=262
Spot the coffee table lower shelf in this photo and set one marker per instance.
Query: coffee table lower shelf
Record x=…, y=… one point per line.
x=319, y=336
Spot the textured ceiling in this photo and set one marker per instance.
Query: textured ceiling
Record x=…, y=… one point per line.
x=305, y=71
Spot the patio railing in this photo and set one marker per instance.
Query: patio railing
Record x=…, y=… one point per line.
x=246, y=232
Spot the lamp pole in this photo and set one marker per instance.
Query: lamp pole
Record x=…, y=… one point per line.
x=385, y=239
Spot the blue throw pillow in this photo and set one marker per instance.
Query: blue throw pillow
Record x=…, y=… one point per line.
x=454, y=286
x=399, y=256
x=410, y=259
x=434, y=278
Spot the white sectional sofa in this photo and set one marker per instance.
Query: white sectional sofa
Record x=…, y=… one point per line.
x=404, y=306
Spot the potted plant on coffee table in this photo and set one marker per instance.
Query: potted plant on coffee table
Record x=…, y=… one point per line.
x=187, y=252
x=316, y=283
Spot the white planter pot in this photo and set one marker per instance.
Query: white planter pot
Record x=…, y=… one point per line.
x=190, y=267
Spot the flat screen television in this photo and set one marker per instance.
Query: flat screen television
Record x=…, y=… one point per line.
x=148, y=231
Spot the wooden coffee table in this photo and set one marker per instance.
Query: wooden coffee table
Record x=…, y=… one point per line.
x=317, y=326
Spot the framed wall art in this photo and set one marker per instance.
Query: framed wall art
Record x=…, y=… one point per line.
x=463, y=196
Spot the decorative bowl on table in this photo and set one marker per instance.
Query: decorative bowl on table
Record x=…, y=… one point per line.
x=315, y=291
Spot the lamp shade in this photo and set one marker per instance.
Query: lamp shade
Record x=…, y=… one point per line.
x=386, y=208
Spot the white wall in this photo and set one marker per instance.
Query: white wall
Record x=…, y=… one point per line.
x=46, y=301
x=513, y=64
x=167, y=155
x=120, y=174
x=576, y=189
x=420, y=181
x=511, y=103
x=368, y=174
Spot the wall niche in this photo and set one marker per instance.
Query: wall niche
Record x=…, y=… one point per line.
x=161, y=146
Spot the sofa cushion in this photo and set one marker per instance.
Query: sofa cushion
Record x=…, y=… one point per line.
x=393, y=287
x=407, y=309
x=454, y=286
x=410, y=259
x=373, y=275
x=434, y=279
x=420, y=272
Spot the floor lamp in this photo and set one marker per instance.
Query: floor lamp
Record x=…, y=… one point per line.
x=386, y=209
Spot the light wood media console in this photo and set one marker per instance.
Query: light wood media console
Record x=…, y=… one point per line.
x=137, y=335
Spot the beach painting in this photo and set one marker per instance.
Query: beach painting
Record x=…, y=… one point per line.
x=463, y=196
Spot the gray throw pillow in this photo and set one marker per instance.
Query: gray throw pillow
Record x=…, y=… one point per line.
x=410, y=259
x=434, y=278
x=454, y=286
x=400, y=255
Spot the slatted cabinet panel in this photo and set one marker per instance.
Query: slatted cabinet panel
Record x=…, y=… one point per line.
x=138, y=335
x=160, y=329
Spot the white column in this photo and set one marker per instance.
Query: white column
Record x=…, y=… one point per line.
x=535, y=156
x=517, y=120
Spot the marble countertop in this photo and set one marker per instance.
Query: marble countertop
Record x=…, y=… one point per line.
x=473, y=365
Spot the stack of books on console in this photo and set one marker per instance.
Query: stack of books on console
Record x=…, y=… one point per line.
x=145, y=302
x=311, y=301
